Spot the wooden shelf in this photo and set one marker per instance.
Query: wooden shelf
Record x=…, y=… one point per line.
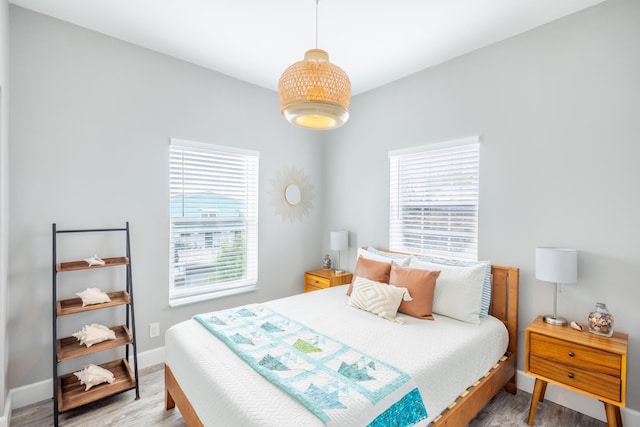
x=71, y=393
x=74, y=305
x=70, y=347
x=83, y=265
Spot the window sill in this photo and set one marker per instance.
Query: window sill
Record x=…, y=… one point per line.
x=190, y=299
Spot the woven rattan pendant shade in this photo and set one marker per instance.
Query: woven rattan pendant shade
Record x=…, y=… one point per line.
x=314, y=93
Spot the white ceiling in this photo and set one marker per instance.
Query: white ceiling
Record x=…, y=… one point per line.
x=374, y=41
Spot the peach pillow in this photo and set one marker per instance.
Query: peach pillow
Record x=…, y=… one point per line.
x=421, y=285
x=372, y=270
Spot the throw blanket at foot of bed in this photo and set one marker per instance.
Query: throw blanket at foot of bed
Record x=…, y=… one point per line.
x=339, y=384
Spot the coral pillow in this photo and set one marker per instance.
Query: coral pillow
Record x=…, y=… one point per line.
x=421, y=285
x=372, y=270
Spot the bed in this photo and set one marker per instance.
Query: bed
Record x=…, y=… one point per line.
x=211, y=385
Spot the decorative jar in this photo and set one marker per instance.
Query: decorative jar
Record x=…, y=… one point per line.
x=326, y=262
x=601, y=321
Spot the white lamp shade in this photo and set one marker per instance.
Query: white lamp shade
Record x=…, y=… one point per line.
x=559, y=265
x=339, y=240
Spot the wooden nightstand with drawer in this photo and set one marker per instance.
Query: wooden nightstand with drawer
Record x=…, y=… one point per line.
x=320, y=279
x=580, y=361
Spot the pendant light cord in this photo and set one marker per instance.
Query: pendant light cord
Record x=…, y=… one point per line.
x=317, y=23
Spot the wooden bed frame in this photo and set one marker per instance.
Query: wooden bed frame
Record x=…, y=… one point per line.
x=504, y=306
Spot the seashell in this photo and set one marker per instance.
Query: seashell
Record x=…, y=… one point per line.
x=94, y=260
x=577, y=326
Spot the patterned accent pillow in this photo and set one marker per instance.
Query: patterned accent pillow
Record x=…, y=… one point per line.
x=378, y=298
x=421, y=285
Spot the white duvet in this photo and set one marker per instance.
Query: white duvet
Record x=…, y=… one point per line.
x=443, y=356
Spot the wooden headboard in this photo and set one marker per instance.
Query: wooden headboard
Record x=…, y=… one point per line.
x=504, y=301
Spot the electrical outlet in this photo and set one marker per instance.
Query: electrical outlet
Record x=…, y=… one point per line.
x=154, y=330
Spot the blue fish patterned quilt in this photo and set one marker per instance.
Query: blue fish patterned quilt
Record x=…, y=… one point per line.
x=334, y=381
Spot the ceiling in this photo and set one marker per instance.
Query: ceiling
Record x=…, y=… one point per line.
x=374, y=41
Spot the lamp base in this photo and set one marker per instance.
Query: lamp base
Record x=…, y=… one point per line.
x=553, y=320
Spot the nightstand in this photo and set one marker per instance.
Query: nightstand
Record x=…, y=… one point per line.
x=320, y=279
x=580, y=361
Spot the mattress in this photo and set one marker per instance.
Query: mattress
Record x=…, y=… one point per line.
x=444, y=357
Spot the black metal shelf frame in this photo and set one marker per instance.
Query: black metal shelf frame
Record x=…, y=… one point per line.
x=130, y=314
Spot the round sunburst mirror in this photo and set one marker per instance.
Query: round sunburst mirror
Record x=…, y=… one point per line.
x=292, y=194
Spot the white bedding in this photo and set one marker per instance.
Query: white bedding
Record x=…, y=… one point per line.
x=444, y=357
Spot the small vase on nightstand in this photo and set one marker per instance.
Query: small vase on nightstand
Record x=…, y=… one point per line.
x=601, y=321
x=326, y=262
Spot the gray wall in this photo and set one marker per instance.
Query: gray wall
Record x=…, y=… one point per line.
x=558, y=112
x=91, y=120
x=4, y=195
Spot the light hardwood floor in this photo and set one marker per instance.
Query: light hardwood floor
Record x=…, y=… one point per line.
x=124, y=411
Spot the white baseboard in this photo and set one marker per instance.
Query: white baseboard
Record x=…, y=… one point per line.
x=151, y=357
x=576, y=401
x=31, y=393
x=43, y=390
x=4, y=419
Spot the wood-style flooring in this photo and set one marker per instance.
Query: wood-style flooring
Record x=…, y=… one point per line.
x=124, y=411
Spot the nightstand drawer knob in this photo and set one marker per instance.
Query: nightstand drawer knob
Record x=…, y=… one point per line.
x=570, y=375
x=571, y=354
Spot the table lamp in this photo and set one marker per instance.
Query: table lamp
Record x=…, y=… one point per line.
x=557, y=265
x=339, y=242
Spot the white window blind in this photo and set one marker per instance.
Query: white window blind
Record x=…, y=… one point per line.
x=213, y=221
x=434, y=199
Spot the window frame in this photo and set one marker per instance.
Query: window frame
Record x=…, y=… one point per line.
x=453, y=208
x=244, y=224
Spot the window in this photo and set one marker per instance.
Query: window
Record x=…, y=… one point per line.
x=213, y=237
x=434, y=199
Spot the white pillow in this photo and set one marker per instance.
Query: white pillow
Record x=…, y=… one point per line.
x=377, y=256
x=93, y=334
x=458, y=290
x=92, y=375
x=486, y=285
x=378, y=298
x=93, y=296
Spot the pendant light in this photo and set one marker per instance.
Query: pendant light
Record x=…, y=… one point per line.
x=313, y=92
